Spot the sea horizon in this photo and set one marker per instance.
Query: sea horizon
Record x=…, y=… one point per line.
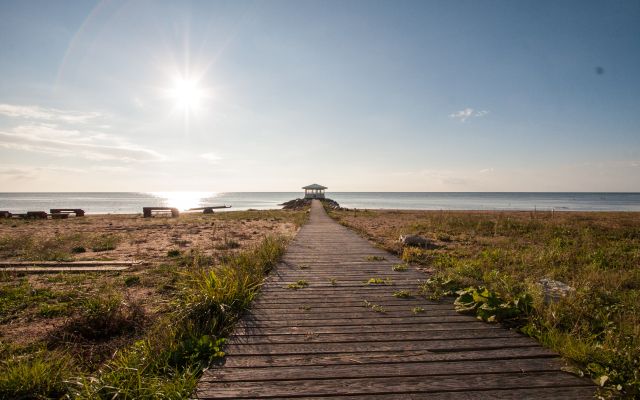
x=132, y=202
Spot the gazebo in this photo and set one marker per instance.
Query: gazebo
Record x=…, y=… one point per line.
x=314, y=191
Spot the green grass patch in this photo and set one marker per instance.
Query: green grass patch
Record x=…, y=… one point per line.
x=403, y=294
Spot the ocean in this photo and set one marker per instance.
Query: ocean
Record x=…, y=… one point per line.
x=131, y=202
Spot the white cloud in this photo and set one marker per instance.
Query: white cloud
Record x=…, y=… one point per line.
x=65, y=148
x=210, y=156
x=46, y=130
x=49, y=114
x=464, y=114
x=482, y=171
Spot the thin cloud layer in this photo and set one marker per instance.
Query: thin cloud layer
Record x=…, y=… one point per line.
x=49, y=114
x=55, y=137
x=65, y=148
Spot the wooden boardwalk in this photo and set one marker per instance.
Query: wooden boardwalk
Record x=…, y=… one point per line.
x=340, y=348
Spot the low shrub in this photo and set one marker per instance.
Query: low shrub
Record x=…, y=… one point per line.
x=132, y=280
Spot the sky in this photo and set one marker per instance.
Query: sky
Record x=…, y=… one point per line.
x=417, y=96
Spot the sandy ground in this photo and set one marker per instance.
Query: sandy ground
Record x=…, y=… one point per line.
x=148, y=239
x=135, y=238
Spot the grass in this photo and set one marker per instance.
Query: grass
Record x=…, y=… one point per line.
x=147, y=355
x=375, y=258
x=374, y=307
x=38, y=374
x=403, y=294
x=597, y=329
x=59, y=247
x=399, y=268
x=377, y=281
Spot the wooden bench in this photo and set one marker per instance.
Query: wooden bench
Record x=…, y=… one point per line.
x=59, y=215
x=78, y=212
x=207, y=210
x=146, y=211
x=36, y=214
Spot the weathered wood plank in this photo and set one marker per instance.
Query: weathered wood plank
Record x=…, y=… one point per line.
x=388, y=329
x=416, y=384
x=559, y=393
x=378, y=370
x=364, y=314
x=375, y=319
x=257, y=361
x=378, y=347
x=379, y=337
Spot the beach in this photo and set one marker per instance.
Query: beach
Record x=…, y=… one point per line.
x=595, y=253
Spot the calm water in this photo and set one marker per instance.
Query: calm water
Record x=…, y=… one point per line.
x=129, y=203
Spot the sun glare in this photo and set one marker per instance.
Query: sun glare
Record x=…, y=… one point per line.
x=183, y=200
x=187, y=94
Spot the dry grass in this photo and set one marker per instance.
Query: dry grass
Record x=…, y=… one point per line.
x=596, y=253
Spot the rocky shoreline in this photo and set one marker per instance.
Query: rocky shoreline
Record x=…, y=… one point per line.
x=300, y=203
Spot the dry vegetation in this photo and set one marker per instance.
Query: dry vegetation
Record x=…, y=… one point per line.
x=598, y=328
x=142, y=333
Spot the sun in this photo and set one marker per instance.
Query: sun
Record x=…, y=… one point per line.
x=187, y=93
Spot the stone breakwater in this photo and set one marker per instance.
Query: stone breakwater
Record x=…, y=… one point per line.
x=300, y=203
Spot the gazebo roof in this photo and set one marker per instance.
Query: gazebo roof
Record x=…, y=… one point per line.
x=315, y=186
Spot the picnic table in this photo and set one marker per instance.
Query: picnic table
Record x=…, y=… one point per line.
x=147, y=211
x=78, y=212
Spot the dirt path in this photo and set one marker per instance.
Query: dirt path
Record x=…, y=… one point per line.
x=336, y=336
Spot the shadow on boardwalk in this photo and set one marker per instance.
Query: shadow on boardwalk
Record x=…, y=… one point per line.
x=322, y=340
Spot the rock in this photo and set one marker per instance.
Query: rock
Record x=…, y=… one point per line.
x=299, y=203
x=295, y=204
x=413, y=240
x=554, y=290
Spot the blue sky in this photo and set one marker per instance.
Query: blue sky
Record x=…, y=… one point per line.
x=354, y=95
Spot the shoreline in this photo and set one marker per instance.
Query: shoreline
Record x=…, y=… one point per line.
x=407, y=210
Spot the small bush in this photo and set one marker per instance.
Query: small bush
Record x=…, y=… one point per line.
x=104, y=317
x=132, y=280
x=79, y=249
x=173, y=253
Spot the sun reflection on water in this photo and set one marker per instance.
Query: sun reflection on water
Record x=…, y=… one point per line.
x=183, y=200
